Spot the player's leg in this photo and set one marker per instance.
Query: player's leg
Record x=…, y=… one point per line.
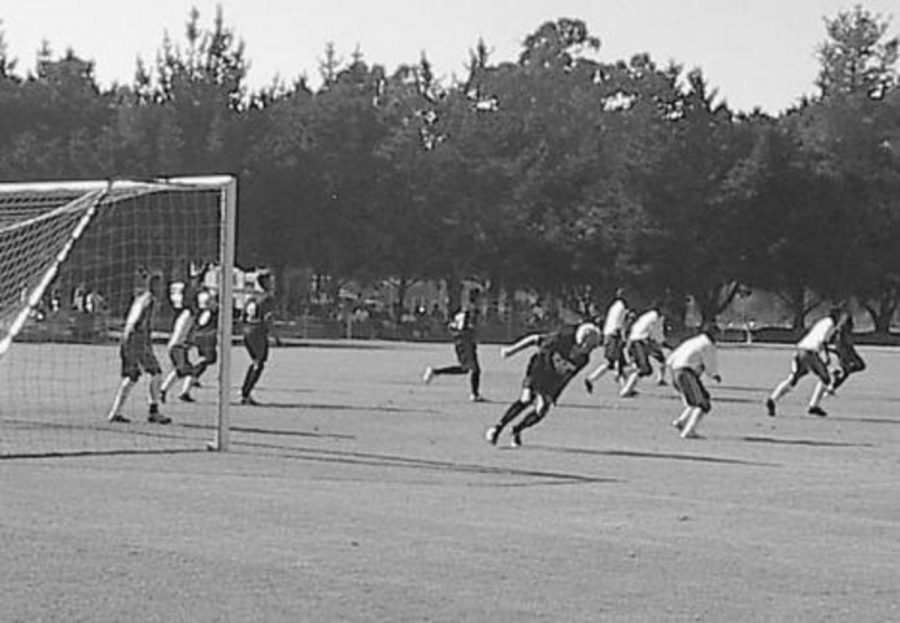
x=541, y=408
x=699, y=400
x=149, y=364
x=642, y=368
x=798, y=370
x=257, y=346
x=512, y=411
x=819, y=368
x=130, y=372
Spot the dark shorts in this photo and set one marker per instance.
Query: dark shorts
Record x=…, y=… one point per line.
x=640, y=352
x=137, y=357
x=467, y=355
x=691, y=388
x=613, y=350
x=542, y=379
x=178, y=355
x=849, y=359
x=257, y=344
x=806, y=361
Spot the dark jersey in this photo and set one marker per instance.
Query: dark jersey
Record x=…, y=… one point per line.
x=205, y=335
x=462, y=327
x=257, y=313
x=139, y=323
x=556, y=363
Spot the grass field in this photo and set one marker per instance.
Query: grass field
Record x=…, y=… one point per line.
x=358, y=494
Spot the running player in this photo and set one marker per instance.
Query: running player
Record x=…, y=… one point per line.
x=647, y=335
x=257, y=320
x=462, y=329
x=688, y=362
x=561, y=355
x=136, y=353
x=613, y=342
x=179, y=343
x=808, y=358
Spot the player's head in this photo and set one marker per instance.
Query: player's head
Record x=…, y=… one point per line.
x=710, y=329
x=620, y=293
x=154, y=282
x=177, y=294
x=588, y=336
x=264, y=280
x=835, y=313
x=205, y=299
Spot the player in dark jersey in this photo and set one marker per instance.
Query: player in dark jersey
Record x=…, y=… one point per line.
x=561, y=355
x=179, y=344
x=136, y=353
x=205, y=337
x=463, y=331
x=849, y=360
x=257, y=323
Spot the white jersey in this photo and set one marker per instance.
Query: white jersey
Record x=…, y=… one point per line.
x=819, y=335
x=648, y=326
x=182, y=329
x=615, y=318
x=697, y=353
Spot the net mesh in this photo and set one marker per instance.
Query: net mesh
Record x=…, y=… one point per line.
x=71, y=261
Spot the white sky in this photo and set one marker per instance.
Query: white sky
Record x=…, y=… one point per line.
x=755, y=52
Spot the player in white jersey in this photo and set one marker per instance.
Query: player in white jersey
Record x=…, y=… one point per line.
x=179, y=343
x=692, y=359
x=613, y=342
x=809, y=358
x=646, y=336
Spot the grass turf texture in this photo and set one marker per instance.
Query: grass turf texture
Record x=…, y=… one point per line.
x=357, y=493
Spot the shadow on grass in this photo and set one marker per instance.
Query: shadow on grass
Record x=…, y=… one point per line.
x=807, y=442
x=326, y=407
x=366, y=459
x=669, y=456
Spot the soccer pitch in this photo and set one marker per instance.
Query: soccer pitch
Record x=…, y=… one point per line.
x=359, y=494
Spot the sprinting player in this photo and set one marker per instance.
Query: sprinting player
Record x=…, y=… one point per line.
x=849, y=360
x=462, y=329
x=257, y=321
x=809, y=358
x=613, y=342
x=646, y=335
x=136, y=353
x=205, y=336
x=561, y=355
x=688, y=362
x=179, y=344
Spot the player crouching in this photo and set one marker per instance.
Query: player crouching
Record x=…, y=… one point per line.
x=561, y=356
x=688, y=362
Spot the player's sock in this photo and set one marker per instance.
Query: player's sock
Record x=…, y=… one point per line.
x=689, y=430
x=514, y=409
x=628, y=388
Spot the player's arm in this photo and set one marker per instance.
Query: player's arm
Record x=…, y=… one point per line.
x=525, y=342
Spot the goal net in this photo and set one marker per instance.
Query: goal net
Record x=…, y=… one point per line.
x=73, y=259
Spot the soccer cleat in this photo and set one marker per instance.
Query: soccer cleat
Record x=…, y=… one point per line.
x=678, y=424
x=817, y=410
x=186, y=398
x=477, y=398
x=158, y=418
x=662, y=382
x=491, y=435
x=118, y=418
x=770, y=407
x=588, y=386
x=629, y=394
x=516, y=440
x=249, y=401
x=428, y=375
x=690, y=435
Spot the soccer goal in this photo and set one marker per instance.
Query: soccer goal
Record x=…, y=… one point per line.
x=72, y=258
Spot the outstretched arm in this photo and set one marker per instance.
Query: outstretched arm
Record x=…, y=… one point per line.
x=525, y=342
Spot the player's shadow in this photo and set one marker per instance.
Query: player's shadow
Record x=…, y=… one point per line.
x=263, y=406
x=653, y=455
x=815, y=443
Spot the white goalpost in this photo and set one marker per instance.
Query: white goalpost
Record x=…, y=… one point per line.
x=73, y=256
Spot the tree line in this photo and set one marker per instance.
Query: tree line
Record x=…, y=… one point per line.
x=555, y=172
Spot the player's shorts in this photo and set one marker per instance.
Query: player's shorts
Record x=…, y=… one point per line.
x=640, y=356
x=655, y=350
x=178, y=355
x=467, y=355
x=137, y=357
x=691, y=388
x=806, y=361
x=613, y=349
x=256, y=341
x=541, y=378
